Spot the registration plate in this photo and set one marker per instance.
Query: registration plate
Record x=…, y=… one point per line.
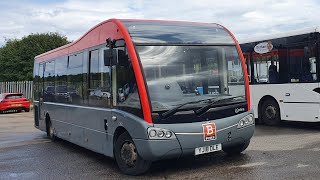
x=15, y=105
x=207, y=149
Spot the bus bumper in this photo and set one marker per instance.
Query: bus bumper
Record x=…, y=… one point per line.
x=154, y=150
x=189, y=136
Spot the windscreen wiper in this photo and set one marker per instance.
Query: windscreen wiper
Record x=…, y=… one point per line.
x=207, y=107
x=174, y=110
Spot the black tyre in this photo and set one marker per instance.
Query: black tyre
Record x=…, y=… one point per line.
x=270, y=112
x=237, y=149
x=26, y=110
x=50, y=131
x=127, y=157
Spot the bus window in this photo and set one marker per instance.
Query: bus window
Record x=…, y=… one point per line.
x=49, y=78
x=36, y=81
x=266, y=67
x=302, y=64
x=61, y=92
x=99, y=80
x=75, y=78
x=177, y=74
x=126, y=86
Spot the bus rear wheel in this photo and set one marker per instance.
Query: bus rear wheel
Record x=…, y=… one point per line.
x=127, y=157
x=270, y=112
x=50, y=131
x=235, y=150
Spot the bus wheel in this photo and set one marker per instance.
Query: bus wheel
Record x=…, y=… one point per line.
x=127, y=157
x=50, y=131
x=234, y=150
x=270, y=112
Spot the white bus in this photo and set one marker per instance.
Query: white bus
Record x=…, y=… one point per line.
x=283, y=71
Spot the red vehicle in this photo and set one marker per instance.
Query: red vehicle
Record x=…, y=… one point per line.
x=13, y=101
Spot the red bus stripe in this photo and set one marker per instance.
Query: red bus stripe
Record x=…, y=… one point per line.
x=244, y=67
x=137, y=71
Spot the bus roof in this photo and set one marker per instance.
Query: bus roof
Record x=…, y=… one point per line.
x=145, y=31
x=280, y=35
x=177, y=32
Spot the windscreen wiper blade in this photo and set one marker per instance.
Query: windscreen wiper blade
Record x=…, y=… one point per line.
x=174, y=110
x=207, y=107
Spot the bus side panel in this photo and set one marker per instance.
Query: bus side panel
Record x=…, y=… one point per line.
x=302, y=104
x=58, y=117
x=91, y=121
x=84, y=126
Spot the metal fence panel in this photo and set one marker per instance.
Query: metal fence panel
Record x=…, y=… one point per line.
x=18, y=86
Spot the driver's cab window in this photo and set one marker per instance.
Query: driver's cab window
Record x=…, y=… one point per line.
x=124, y=86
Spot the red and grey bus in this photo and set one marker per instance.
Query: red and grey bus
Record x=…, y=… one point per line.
x=143, y=90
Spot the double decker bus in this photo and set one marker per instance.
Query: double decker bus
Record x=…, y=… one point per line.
x=283, y=72
x=142, y=90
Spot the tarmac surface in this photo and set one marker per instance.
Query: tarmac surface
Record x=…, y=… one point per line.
x=289, y=151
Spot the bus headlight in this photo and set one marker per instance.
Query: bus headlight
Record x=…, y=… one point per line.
x=152, y=133
x=168, y=134
x=159, y=133
x=246, y=121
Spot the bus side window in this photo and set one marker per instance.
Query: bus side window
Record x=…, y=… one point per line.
x=74, y=88
x=49, y=80
x=61, y=92
x=302, y=64
x=99, y=91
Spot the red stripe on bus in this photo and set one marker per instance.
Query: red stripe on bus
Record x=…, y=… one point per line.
x=137, y=71
x=244, y=66
x=94, y=37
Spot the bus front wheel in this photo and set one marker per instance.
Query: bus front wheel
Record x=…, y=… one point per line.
x=270, y=112
x=127, y=157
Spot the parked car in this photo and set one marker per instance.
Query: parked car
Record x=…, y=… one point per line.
x=13, y=101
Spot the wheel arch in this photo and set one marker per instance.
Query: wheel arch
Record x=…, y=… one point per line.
x=119, y=130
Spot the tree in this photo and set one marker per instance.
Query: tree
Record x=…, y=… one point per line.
x=17, y=55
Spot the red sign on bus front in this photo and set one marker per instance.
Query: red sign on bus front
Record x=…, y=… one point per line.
x=209, y=131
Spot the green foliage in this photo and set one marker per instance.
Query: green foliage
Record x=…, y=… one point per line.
x=17, y=55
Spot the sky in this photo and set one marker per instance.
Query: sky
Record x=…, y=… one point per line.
x=72, y=18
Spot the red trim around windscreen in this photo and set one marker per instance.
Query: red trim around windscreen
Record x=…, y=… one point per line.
x=137, y=71
x=244, y=67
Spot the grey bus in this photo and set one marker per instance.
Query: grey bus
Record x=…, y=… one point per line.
x=143, y=90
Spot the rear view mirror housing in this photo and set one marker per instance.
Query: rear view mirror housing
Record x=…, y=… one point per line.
x=123, y=59
x=110, y=57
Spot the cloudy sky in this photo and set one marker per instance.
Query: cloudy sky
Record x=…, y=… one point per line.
x=245, y=18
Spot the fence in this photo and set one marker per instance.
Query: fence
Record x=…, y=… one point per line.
x=19, y=86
